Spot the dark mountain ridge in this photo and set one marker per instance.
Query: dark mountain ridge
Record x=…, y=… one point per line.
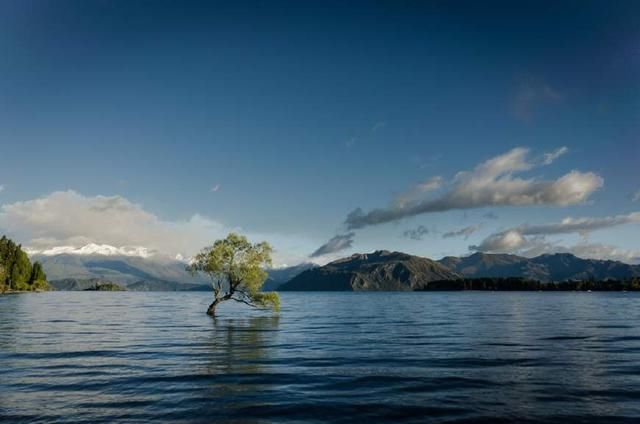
x=279, y=276
x=545, y=268
x=396, y=271
x=378, y=271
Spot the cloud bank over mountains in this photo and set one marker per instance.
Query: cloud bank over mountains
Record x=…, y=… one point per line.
x=491, y=183
x=531, y=240
x=68, y=218
x=70, y=222
x=95, y=249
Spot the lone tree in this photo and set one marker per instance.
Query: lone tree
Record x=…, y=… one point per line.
x=236, y=268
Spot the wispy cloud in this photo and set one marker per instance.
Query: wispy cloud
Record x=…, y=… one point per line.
x=378, y=126
x=635, y=197
x=364, y=135
x=550, y=157
x=530, y=94
x=417, y=233
x=215, y=188
x=491, y=183
x=424, y=162
x=463, y=232
x=335, y=244
x=1, y=188
x=580, y=225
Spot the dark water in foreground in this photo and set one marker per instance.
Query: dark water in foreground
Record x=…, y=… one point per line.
x=328, y=357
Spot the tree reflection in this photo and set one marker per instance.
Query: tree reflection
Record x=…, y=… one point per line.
x=238, y=359
x=241, y=346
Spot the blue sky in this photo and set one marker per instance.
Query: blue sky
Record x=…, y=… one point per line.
x=301, y=112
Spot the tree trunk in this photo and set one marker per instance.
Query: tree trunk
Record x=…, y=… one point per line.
x=211, y=311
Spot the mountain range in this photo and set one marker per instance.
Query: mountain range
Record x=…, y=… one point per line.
x=380, y=270
x=121, y=269
x=72, y=271
x=383, y=270
x=545, y=268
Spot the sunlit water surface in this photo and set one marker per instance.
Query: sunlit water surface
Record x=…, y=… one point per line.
x=327, y=357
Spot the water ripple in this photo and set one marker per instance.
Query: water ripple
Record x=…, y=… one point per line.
x=328, y=357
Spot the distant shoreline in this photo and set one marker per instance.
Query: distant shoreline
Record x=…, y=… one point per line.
x=439, y=289
x=23, y=291
x=508, y=284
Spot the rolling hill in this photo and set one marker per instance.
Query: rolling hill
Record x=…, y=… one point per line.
x=378, y=271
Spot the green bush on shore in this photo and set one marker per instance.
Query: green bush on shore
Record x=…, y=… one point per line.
x=106, y=287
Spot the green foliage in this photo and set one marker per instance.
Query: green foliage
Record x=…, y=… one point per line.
x=106, y=287
x=37, y=275
x=16, y=272
x=237, y=271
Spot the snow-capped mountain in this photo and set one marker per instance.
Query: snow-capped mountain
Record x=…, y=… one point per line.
x=135, y=267
x=123, y=265
x=94, y=249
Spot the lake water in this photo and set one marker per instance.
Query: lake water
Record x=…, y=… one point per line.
x=96, y=357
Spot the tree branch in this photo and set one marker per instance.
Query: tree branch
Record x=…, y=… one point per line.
x=245, y=302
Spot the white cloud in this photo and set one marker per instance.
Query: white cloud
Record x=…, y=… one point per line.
x=491, y=183
x=335, y=244
x=70, y=219
x=215, y=188
x=1, y=188
x=636, y=196
x=67, y=221
x=503, y=242
x=414, y=193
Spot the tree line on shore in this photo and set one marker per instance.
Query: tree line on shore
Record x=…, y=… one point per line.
x=523, y=284
x=16, y=271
